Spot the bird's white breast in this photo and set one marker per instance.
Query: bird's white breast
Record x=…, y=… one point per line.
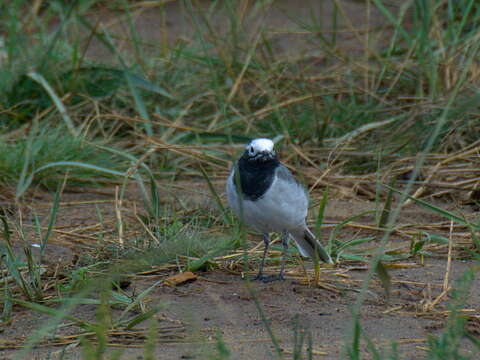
x=283, y=207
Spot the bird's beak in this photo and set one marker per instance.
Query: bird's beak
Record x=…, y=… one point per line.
x=265, y=156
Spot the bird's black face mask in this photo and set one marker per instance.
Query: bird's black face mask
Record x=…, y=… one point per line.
x=261, y=157
x=252, y=155
x=257, y=168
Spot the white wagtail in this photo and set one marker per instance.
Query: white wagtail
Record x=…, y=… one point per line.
x=266, y=196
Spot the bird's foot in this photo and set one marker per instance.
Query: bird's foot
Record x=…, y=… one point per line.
x=269, y=278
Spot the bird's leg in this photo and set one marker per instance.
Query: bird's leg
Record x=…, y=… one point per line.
x=266, y=242
x=285, y=236
x=280, y=276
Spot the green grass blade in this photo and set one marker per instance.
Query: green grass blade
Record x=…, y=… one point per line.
x=56, y=100
x=141, y=318
x=140, y=104
x=437, y=210
x=199, y=263
x=26, y=179
x=11, y=261
x=215, y=195
x=265, y=321
x=7, y=303
x=321, y=211
x=53, y=312
x=384, y=277
x=142, y=83
x=154, y=199
x=396, y=21
x=52, y=219
x=151, y=341
x=333, y=233
x=353, y=257
x=387, y=207
x=137, y=300
x=353, y=350
x=353, y=242
x=79, y=165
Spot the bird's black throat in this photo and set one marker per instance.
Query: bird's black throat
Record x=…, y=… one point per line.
x=255, y=176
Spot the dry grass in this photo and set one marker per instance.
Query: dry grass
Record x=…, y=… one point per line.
x=368, y=112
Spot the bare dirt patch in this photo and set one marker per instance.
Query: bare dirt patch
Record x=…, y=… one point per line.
x=221, y=302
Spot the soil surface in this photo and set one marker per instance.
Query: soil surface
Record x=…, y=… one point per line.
x=222, y=303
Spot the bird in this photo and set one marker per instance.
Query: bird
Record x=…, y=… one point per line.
x=264, y=194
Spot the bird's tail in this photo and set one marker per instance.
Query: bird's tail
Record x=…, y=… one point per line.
x=309, y=246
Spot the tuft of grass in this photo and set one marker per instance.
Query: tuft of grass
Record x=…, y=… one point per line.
x=47, y=154
x=451, y=343
x=28, y=282
x=184, y=244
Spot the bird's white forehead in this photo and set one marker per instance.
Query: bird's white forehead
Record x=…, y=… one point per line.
x=262, y=144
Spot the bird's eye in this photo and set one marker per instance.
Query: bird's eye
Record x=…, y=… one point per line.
x=251, y=150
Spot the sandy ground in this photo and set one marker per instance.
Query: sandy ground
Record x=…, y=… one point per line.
x=293, y=30
x=221, y=300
